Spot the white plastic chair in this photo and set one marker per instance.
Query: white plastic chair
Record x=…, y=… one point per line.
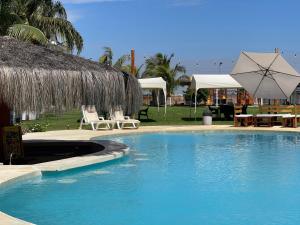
x=121, y=120
x=90, y=117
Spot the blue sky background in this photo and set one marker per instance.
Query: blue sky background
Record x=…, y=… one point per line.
x=201, y=33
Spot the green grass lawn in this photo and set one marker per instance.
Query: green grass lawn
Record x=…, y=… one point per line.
x=176, y=115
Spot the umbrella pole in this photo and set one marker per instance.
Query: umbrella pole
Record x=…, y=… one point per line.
x=217, y=97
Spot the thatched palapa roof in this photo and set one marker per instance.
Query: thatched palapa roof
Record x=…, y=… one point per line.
x=134, y=94
x=36, y=78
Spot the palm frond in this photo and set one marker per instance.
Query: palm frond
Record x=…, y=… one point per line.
x=160, y=65
x=103, y=59
x=59, y=10
x=119, y=64
x=138, y=71
x=107, y=56
x=61, y=28
x=179, y=68
x=27, y=33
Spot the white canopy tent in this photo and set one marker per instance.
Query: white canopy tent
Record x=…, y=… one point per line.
x=212, y=81
x=156, y=83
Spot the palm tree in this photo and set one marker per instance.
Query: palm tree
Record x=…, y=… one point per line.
x=121, y=63
x=137, y=73
x=160, y=65
x=107, y=56
x=39, y=21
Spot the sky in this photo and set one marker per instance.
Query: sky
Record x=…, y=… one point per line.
x=201, y=33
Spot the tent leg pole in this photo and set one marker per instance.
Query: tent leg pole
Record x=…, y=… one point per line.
x=165, y=105
x=157, y=100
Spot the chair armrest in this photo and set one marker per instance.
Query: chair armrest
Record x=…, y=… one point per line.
x=101, y=118
x=126, y=117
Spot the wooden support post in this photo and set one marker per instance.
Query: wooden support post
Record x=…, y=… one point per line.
x=133, y=69
x=4, y=121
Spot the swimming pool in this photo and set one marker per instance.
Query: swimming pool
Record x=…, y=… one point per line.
x=216, y=178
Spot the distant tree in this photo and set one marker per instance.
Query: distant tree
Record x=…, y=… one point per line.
x=107, y=56
x=121, y=63
x=202, y=95
x=137, y=73
x=184, y=80
x=160, y=65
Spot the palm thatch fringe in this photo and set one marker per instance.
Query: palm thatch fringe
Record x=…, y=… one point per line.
x=41, y=90
x=38, y=79
x=134, y=95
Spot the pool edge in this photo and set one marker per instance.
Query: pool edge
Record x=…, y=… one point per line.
x=88, y=135
x=19, y=173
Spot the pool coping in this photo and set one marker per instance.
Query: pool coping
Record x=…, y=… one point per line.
x=12, y=174
x=111, y=151
x=9, y=220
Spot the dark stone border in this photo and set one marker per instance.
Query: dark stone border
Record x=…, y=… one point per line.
x=41, y=151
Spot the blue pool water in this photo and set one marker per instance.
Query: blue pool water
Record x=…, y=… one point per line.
x=210, y=178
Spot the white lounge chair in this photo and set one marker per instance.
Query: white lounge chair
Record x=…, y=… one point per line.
x=121, y=120
x=90, y=117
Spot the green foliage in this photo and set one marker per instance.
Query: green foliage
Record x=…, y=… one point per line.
x=34, y=127
x=161, y=66
x=202, y=95
x=27, y=33
x=36, y=21
x=121, y=63
x=68, y=120
x=137, y=73
x=107, y=56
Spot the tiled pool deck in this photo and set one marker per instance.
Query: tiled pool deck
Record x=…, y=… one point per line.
x=10, y=174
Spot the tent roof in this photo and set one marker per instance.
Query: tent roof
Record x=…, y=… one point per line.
x=153, y=83
x=214, y=81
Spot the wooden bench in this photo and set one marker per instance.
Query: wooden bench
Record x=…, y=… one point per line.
x=293, y=119
x=276, y=109
x=241, y=119
x=266, y=119
x=271, y=115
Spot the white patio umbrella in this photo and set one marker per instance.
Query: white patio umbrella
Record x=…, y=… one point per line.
x=266, y=75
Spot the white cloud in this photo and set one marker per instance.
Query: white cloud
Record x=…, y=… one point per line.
x=187, y=2
x=74, y=15
x=89, y=1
